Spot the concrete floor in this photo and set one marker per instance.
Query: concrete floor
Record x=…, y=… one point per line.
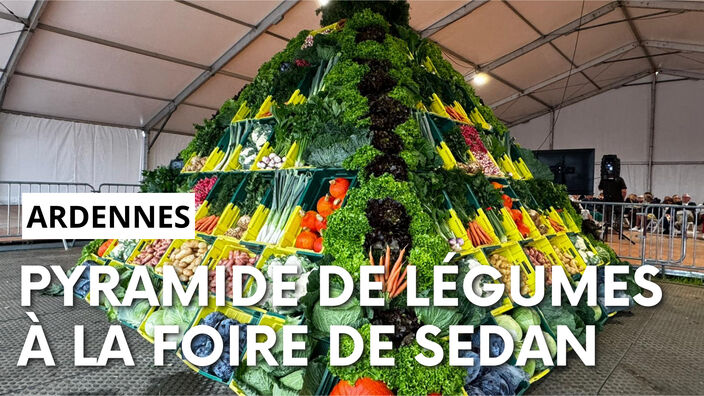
x=653, y=351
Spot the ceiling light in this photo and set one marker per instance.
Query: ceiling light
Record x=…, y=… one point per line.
x=323, y=3
x=480, y=79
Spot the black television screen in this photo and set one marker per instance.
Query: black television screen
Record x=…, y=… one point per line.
x=573, y=168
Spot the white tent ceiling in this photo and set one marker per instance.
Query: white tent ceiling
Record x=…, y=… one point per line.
x=137, y=64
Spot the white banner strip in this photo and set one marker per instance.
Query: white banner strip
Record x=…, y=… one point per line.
x=108, y=215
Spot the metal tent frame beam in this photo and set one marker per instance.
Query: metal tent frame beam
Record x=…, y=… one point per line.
x=550, y=43
x=494, y=76
x=20, y=46
x=227, y=18
x=683, y=73
x=605, y=88
x=584, y=66
x=638, y=37
x=547, y=38
x=687, y=5
x=272, y=18
x=672, y=45
x=454, y=16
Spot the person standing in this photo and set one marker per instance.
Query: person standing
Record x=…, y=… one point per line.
x=614, y=190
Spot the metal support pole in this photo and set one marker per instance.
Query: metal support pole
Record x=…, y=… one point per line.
x=651, y=137
x=552, y=129
x=145, y=153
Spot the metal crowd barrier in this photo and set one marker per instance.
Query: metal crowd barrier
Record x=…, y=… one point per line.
x=118, y=188
x=669, y=236
x=11, y=200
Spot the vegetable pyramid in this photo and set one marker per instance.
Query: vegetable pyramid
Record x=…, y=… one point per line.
x=359, y=144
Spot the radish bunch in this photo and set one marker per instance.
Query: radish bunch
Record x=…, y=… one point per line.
x=235, y=257
x=474, y=141
x=202, y=188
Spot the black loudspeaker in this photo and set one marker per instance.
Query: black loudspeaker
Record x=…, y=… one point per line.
x=610, y=166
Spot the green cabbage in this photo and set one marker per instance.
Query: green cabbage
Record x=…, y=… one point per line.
x=294, y=380
x=526, y=317
x=441, y=317
x=135, y=313
x=343, y=315
x=511, y=325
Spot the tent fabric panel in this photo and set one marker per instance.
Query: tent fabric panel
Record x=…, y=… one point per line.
x=679, y=121
x=185, y=116
x=216, y=91
x=597, y=41
x=248, y=11
x=300, y=17
x=553, y=93
x=167, y=148
x=531, y=68
x=489, y=39
x=9, y=33
x=425, y=13
x=168, y=28
x=255, y=54
x=515, y=109
x=56, y=56
x=42, y=149
x=32, y=95
x=547, y=16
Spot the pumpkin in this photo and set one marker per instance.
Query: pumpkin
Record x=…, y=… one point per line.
x=363, y=386
x=508, y=202
x=318, y=245
x=321, y=223
x=309, y=220
x=306, y=240
x=339, y=187
x=325, y=206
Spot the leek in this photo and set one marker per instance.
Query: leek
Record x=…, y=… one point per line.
x=288, y=187
x=234, y=139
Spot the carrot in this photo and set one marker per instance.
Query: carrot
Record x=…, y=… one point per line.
x=213, y=224
x=478, y=234
x=484, y=235
x=371, y=262
x=392, y=281
x=401, y=278
x=399, y=289
x=212, y=220
x=207, y=224
x=382, y=276
x=395, y=271
x=472, y=232
x=388, y=262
